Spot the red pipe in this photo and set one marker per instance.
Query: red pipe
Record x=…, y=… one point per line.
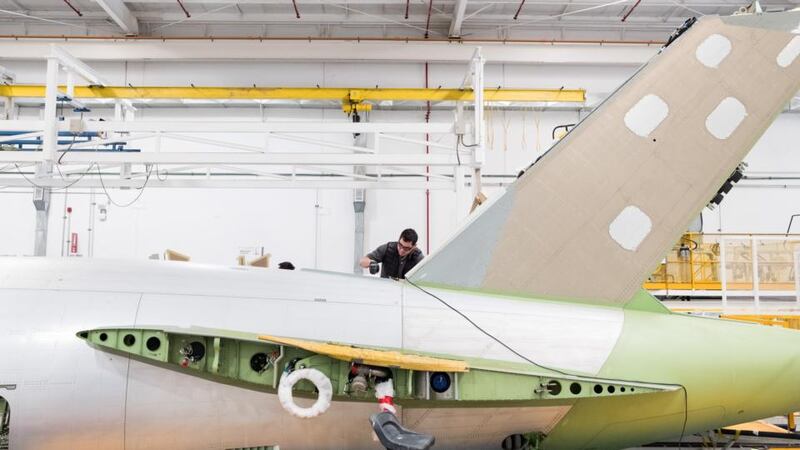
x=73, y=8
x=518, y=10
x=184, y=9
x=427, y=179
x=631, y=10
x=428, y=22
x=296, y=12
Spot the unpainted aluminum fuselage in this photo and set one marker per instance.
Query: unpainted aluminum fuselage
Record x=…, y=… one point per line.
x=71, y=395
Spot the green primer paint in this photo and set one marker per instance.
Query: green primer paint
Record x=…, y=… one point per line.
x=252, y=364
x=732, y=373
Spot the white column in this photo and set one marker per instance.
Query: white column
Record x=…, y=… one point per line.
x=723, y=272
x=797, y=276
x=479, y=151
x=756, y=281
x=50, y=138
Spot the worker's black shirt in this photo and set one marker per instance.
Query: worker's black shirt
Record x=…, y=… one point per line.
x=392, y=265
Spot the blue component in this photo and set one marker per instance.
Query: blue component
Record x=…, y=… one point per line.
x=440, y=382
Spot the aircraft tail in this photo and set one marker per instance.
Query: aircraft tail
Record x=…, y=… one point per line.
x=594, y=216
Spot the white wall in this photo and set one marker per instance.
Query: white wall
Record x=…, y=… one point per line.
x=315, y=228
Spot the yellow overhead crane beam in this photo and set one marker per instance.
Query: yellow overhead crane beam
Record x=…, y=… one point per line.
x=348, y=96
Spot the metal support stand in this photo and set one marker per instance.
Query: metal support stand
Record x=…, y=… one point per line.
x=479, y=151
x=359, y=204
x=723, y=272
x=756, y=278
x=41, y=201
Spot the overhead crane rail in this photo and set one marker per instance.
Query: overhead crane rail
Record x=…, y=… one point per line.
x=346, y=95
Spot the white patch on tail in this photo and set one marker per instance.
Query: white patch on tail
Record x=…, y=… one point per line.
x=725, y=118
x=789, y=53
x=713, y=50
x=630, y=228
x=646, y=115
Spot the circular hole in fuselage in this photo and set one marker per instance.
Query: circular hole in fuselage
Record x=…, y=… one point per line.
x=515, y=442
x=153, y=343
x=575, y=388
x=611, y=389
x=553, y=387
x=598, y=389
x=198, y=351
x=259, y=362
x=622, y=389
x=440, y=382
x=129, y=340
x=103, y=337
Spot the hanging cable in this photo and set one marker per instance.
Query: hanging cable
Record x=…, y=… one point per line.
x=577, y=11
x=532, y=362
x=196, y=16
x=59, y=187
x=489, y=335
x=141, y=189
x=14, y=13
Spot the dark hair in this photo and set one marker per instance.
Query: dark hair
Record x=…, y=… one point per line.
x=409, y=235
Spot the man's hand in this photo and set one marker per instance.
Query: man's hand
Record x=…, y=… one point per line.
x=374, y=267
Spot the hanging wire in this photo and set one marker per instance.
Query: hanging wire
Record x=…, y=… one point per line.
x=59, y=187
x=382, y=18
x=13, y=13
x=140, y=189
x=557, y=16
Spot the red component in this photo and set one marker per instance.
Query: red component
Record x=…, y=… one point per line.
x=624, y=18
x=516, y=14
x=184, y=9
x=69, y=209
x=185, y=362
x=73, y=244
x=73, y=8
x=428, y=21
x=386, y=404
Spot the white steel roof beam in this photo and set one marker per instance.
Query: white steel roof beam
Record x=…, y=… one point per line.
x=230, y=158
x=81, y=69
x=76, y=66
x=328, y=51
x=458, y=18
x=120, y=13
x=201, y=181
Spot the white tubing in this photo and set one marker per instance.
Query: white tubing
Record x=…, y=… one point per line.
x=384, y=392
x=320, y=381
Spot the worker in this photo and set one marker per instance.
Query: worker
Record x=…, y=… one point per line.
x=396, y=257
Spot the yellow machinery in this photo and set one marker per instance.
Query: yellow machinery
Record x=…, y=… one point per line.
x=694, y=263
